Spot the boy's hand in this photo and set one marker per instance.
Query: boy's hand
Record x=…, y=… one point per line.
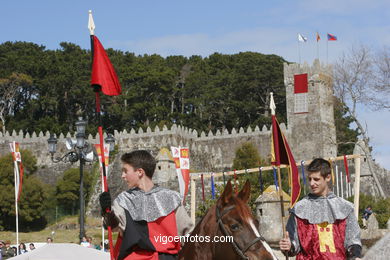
x=105, y=201
x=285, y=243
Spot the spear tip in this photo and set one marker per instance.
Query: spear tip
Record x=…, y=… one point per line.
x=91, y=24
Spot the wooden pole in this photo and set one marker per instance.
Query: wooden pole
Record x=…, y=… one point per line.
x=337, y=181
x=281, y=202
x=342, y=184
x=357, y=186
x=196, y=175
x=193, y=199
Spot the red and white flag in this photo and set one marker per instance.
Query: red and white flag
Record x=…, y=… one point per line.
x=181, y=157
x=18, y=168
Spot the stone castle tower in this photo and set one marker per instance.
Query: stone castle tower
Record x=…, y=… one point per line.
x=310, y=116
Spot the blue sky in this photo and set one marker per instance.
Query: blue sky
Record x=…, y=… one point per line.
x=203, y=27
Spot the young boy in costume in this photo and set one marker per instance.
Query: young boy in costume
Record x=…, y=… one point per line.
x=147, y=217
x=322, y=225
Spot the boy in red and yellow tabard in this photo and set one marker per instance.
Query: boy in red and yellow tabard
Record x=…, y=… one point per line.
x=322, y=225
x=145, y=215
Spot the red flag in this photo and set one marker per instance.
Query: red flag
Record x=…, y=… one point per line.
x=281, y=154
x=332, y=37
x=346, y=168
x=103, y=73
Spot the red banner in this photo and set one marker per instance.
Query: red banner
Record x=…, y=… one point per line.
x=103, y=73
x=281, y=154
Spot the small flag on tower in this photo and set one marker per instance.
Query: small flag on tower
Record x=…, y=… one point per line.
x=332, y=37
x=302, y=38
x=318, y=37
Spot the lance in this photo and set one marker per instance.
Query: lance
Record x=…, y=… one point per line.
x=97, y=88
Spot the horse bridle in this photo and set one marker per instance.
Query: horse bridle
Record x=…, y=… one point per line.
x=236, y=247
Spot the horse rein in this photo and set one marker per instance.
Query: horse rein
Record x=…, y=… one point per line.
x=236, y=247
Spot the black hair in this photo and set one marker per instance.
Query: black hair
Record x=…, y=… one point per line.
x=140, y=159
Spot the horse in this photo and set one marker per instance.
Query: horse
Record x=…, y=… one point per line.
x=230, y=217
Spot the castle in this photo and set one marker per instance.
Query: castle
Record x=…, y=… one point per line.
x=310, y=131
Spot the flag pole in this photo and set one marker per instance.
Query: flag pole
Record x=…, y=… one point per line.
x=299, y=52
x=16, y=171
x=17, y=188
x=91, y=26
x=280, y=190
x=327, y=42
x=273, y=107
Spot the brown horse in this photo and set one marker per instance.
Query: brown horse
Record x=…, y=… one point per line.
x=230, y=216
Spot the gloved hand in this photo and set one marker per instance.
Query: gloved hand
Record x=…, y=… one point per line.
x=105, y=201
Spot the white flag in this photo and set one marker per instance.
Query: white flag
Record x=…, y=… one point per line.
x=302, y=38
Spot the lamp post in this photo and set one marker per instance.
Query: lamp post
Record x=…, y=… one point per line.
x=79, y=151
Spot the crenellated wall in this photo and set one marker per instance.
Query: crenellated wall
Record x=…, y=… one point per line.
x=220, y=144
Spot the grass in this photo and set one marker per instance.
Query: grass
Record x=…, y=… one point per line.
x=65, y=231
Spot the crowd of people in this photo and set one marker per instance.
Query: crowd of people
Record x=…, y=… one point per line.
x=8, y=251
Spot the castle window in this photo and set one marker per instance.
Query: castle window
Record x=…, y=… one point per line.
x=300, y=103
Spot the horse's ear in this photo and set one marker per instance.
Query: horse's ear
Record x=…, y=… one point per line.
x=245, y=192
x=227, y=194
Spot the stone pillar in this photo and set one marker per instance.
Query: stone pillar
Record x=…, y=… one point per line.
x=269, y=215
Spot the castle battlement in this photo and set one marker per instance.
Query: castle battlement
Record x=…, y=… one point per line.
x=313, y=71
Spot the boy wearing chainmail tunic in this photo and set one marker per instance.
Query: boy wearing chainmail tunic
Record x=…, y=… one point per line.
x=147, y=217
x=322, y=225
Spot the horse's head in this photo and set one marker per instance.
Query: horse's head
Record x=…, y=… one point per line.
x=235, y=219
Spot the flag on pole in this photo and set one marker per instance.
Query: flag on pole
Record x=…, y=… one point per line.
x=318, y=38
x=18, y=168
x=346, y=168
x=106, y=156
x=185, y=168
x=103, y=73
x=281, y=154
x=302, y=38
x=182, y=162
x=103, y=78
x=332, y=37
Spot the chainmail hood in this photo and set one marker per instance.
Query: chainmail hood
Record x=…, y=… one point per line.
x=150, y=205
x=322, y=209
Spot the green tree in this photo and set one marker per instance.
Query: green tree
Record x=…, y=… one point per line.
x=31, y=206
x=15, y=91
x=68, y=190
x=247, y=157
x=345, y=136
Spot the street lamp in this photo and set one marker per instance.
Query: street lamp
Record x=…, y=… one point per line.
x=80, y=150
